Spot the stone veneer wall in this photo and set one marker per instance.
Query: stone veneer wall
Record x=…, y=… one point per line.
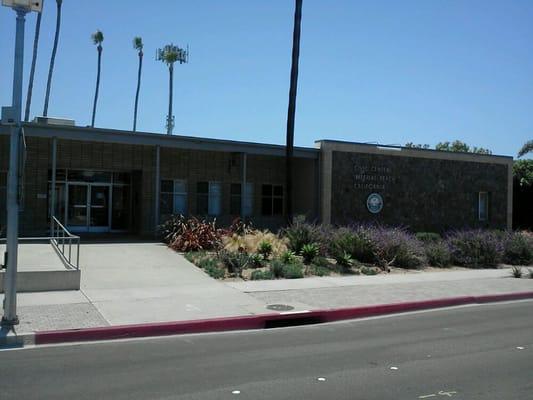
x=422, y=194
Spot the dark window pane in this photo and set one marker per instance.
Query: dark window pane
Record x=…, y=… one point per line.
x=166, y=204
x=121, y=177
x=278, y=206
x=267, y=190
x=235, y=205
x=278, y=190
x=167, y=186
x=202, y=204
x=266, y=206
x=202, y=187
x=236, y=189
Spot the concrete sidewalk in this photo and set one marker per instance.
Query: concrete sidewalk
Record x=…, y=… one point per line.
x=146, y=282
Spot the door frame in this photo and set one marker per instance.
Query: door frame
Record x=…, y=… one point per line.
x=88, y=227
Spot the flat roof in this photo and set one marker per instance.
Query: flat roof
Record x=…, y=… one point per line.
x=393, y=148
x=158, y=139
x=208, y=144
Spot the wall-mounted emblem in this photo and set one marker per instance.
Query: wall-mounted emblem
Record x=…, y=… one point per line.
x=374, y=203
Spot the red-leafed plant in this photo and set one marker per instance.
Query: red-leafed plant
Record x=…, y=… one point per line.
x=191, y=234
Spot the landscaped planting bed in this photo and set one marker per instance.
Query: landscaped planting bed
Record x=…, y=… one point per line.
x=304, y=249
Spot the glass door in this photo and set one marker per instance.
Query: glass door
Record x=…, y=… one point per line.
x=99, y=208
x=77, y=210
x=88, y=208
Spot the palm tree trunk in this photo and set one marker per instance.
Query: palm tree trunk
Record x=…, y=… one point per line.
x=97, y=84
x=52, y=58
x=137, y=92
x=171, y=84
x=33, y=63
x=292, y=109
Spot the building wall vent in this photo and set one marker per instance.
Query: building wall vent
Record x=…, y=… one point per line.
x=54, y=121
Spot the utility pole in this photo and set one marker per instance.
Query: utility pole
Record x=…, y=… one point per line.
x=292, y=109
x=21, y=7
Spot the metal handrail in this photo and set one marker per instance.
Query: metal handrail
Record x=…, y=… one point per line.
x=61, y=236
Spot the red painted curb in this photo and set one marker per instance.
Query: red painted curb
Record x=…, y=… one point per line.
x=261, y=321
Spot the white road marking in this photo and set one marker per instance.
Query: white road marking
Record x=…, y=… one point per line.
x=448, y=394
x=321, y=379
x=236, y=392
x=440, y=393
x=520, y=348
x=394, y=368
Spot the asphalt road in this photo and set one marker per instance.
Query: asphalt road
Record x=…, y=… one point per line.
x=481, y=352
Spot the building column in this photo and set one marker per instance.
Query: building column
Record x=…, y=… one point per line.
x=53, y=186
x=243, y=184
x=157, y=187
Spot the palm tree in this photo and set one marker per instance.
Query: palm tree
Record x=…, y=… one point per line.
x=98, y=38
x=33, y=62
x=526, y=148
x=292, y=107
x=52, y=58
x=138, y=45
x=169, y=56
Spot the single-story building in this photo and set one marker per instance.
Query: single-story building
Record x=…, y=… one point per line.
x=104, y=180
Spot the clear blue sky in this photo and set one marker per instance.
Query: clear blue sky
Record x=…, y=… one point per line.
x=370, y=71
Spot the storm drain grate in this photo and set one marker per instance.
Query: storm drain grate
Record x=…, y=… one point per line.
x=280, y=307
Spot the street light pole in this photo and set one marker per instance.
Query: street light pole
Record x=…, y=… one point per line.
x=10, y=317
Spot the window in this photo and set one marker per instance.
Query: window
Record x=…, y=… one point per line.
x=483, y=206
x=208, y=198
x=235, y=201
x=272, y=200
x=173, y=197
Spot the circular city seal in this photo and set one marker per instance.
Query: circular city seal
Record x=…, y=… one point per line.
x=374, y=203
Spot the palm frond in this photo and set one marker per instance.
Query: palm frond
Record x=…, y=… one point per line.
x=526, y=148
x=138, y=43
x=97, y=37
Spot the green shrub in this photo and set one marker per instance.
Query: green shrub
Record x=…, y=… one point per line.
x=256, y=260
x=293, y=271
x=438, y=254
x=475, y=248
x=276, y=267
x=259, y=275
x=189, y=256
x=368, y=271
x=344, y=261
x=355, y=242
x=319, y=270
x=210, y=267
x=530, y=273
x=235, y=262
x=309, y=252
x=518, y=249
x=300, y=233
x=265, y=249
x=289, y=257
x=517, y=272
x=428, y=237
x=396, y=246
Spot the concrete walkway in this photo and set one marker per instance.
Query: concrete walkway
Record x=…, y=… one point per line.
x=147, y=282
x=36, y=257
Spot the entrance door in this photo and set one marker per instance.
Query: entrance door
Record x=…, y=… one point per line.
x=88, y=207
x=77, y=212
x=99, y=208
